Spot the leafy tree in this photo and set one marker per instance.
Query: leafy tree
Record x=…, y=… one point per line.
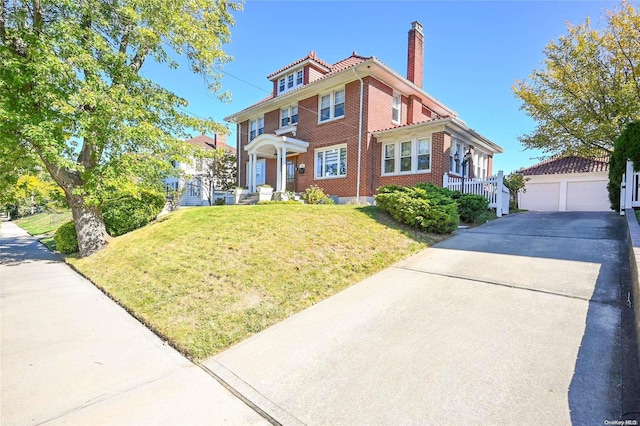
x=72, y=94
x=31, y=191
x=217, y=171
x=588, y=89
x=627, y=147
x=515, y=183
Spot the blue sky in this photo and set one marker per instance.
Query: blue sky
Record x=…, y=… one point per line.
x=474, y=51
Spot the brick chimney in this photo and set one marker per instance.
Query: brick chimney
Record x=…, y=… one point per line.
x=415, y=56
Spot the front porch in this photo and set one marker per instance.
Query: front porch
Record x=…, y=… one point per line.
x=268, y=146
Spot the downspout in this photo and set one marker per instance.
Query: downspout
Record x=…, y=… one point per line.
x=359, y=136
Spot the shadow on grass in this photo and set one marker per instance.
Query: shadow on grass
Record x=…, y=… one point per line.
x=382, y=217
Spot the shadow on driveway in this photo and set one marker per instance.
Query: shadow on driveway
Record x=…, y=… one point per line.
x=606, y=380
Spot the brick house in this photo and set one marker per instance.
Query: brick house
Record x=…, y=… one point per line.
x=353, y=126
x=196, y=190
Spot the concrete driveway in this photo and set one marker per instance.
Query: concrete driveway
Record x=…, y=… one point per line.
x=524, y=320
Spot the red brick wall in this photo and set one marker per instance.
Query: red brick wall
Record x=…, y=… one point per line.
x=243, y=157
x=320, y=135
x=415, y=57
x=440, y=145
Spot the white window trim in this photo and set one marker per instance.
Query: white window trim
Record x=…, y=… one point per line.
x=332, y=105
x=330, y=148
x=289, y=109
x=294, y=75
x=258, y=133
x=414, y=157
x=397, y=96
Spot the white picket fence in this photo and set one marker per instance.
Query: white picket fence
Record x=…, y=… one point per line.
x=629, y=189
x=493, y=189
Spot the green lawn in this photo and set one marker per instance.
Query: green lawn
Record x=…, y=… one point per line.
x=206, y=278
x=44, y=225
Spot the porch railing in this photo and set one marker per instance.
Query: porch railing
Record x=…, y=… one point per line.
x=492, y=188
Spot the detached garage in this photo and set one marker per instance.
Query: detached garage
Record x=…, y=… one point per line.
x=566, y=184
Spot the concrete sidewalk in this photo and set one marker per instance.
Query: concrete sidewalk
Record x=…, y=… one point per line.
x=70, y=355
x=520, y=321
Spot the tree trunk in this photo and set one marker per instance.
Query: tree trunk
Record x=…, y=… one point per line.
x=89, y=226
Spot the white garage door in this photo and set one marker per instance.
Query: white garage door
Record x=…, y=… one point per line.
x=587, y=196
x=541, y=197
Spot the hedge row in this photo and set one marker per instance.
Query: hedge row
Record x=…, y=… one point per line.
x=429, y=207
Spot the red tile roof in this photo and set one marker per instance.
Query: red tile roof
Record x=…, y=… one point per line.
x=568, y=164
x=412, y=124
x=206, y=142
x=341, y=65
x=348, y=62
x=311, y=55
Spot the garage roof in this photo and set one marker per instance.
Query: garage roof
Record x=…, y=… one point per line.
x=568, y=164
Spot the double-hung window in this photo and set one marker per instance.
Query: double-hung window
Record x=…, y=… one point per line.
x=256, y=127
x=406, y=157
x=331, y=162
x=331, y=105
x=290, y=81
x=395, y=109
x=288, y=116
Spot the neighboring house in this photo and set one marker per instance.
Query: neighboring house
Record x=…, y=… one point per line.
x=353, y=126
x=195, y=188
x=568, y=183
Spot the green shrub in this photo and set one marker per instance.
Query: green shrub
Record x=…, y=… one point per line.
x=315, y=195
x=420, y=207
x=433, y=189
x=217, y=202
x=66, y=238
x=126, y=213
x=471, y=207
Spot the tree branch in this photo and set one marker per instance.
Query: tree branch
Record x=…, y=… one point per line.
x=37, y=16
x=138, y=59
x=3, y=25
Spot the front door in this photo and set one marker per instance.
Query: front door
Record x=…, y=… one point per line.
x=291, y=175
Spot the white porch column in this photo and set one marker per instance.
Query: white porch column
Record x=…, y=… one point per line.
x=283, y=169
x=250, y=172
x=278, y=165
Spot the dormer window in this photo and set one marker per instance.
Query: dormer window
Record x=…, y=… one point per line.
x=290, y=81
